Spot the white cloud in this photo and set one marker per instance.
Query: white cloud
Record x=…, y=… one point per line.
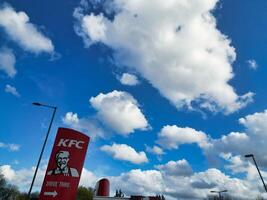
x=170, y=137
x=233, y=142
x=195, y=186
x=70, y=118
x=7, y=62
x=17, y=25
x=10, y=146
x=128, y=116
x=252, y=64
x=238, y=164
x=139, y=182
x=129, y=79
x=125, y=152
x=175, y=45
x=176, y=168
x=231, y=147
x=87, y=125
x=155, y=150
x=214, y=178
x=98, y=32
x=251, y=140
x=255, y=124
x=88, y=178
x=119, y=111
x=12, y=90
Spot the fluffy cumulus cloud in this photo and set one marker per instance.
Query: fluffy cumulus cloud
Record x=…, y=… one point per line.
x=88, y=178
x=170, y=137
x=98, y=32
x=238, y=164
x=128, y=79
x=10, y=146
x=7, y=62
x=119, y=111
x=18, y=27
x=136, y=181
x=193, y=185
x=155, y=150
x=12, y=90
x=255, y=123
x=231, y=147
x=175, y=45
x=125, y=152
x=176, y=168
x=251, y=140
x=71, y=118
x=88, y=125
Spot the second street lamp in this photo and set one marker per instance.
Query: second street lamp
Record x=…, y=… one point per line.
x=219, y=193
x=42, y=151
x=252, y=156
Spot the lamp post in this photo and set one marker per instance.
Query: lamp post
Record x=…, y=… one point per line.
x=252, y=156
x=219, y=193
x=47, y=134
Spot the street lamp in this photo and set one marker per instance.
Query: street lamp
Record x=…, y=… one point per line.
x=219, y=193
x=252, y=156
x=47, y=134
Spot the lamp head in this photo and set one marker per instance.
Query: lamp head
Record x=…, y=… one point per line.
x=36, y=104
x=249, y=155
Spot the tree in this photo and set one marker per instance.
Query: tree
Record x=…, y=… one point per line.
x=119, y=193
x=259, y=197
x=160, y=197
x=24, y=196
x=7, y=191
x=85, y=193
x=2, y=184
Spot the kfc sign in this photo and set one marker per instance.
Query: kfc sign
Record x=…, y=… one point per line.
x=65, y=165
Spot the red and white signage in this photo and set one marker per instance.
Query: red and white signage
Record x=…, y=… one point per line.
x=65, y=165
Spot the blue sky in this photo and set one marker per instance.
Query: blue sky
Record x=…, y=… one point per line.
x=170, y=94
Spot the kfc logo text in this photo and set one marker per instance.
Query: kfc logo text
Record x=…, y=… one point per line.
x=70, y=143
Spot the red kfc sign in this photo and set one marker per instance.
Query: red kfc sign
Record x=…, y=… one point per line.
x=65, y=165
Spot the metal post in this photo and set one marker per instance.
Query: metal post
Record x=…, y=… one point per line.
x=259, y=173
x=220, y=196
x=219, y=193
x=41, y=154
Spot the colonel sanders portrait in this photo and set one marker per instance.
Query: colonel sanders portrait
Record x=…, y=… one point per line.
x=62, y=159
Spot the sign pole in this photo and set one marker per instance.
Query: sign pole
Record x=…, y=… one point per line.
x=42, y=151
